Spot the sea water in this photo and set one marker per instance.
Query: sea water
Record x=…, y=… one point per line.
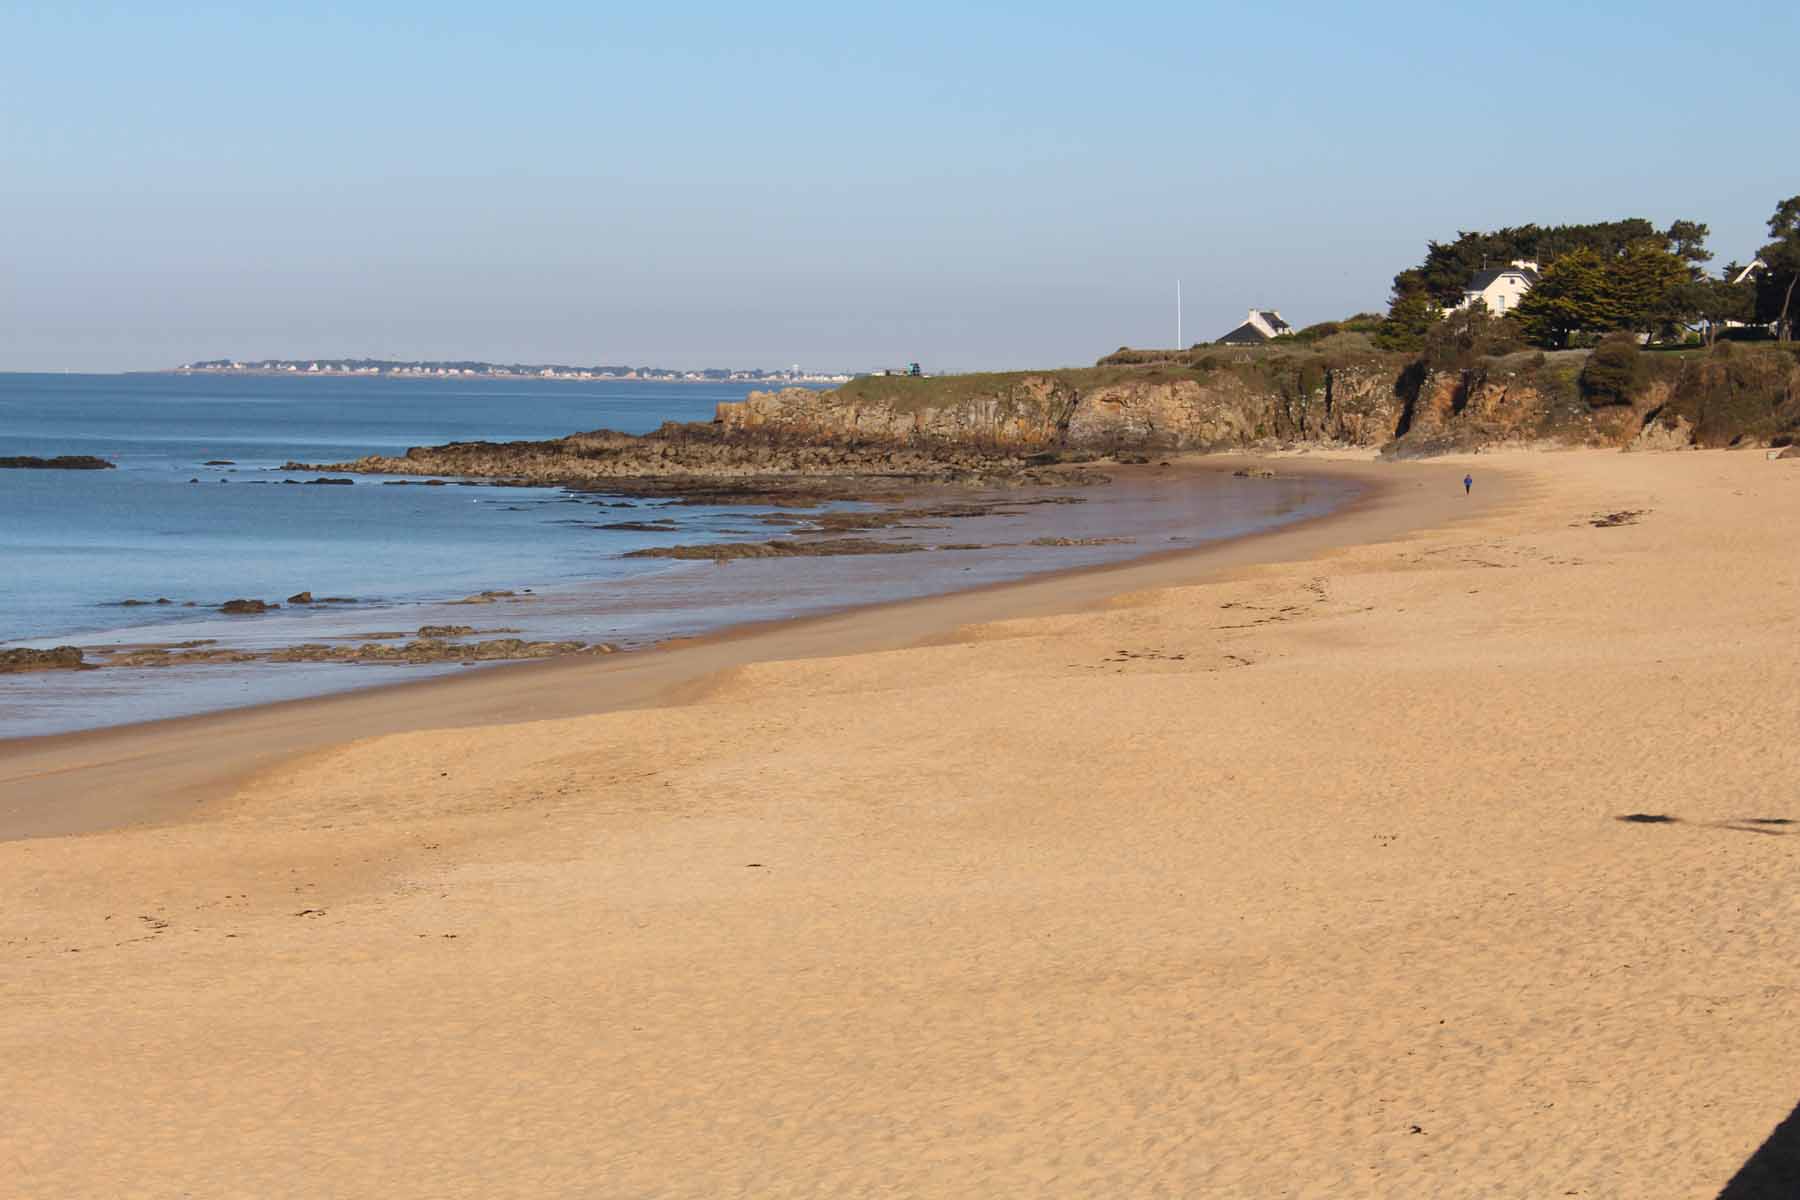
x=198, y=511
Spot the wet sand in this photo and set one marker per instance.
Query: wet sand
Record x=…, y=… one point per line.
x=1295, y=867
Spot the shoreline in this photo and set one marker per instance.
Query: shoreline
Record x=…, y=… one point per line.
x=49, y=796
x=979, y=534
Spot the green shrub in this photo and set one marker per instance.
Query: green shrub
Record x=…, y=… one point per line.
x=1467, y=335
x=1614, y=372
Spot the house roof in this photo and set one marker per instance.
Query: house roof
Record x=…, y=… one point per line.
x=1274, y=320
x=1483, y=280
x=1245, y=333
x=1756, y=265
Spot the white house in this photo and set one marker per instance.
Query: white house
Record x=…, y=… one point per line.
x=1501, y=288
x=1263, y=324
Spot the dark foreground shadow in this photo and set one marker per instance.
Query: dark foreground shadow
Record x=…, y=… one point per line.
x=1773, y=1172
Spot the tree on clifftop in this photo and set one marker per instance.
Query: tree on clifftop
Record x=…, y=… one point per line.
x=1572, y=296
x=1686, y=240
x=1718, y=301
x=1647, y=284
x=1448, y=265
x=1644, y=289
x=1409, y=319
x=1775, y=289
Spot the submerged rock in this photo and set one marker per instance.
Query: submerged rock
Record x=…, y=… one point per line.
x=247, y=607
x=722, y=551
x=160, y=656
x=490, y=597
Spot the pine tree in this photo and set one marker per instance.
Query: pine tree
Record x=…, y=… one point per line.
x=1574, y=295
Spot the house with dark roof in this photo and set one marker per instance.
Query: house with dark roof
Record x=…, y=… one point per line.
x=1263, y=324
x=1501, y=288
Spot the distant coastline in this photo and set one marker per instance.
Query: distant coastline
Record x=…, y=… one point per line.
x=364, y=368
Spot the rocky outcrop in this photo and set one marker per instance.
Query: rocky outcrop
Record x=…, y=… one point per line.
x=709, y=463
x=1520, y=400
x=1012, y=412
x=829, y=548
x=245, y=608
x=434, y=650
x=435, y=644
x=1677, y=435
x=1215, y=399
x=62, y=462
x=799, y=445
x=164, y=656
x=62, y=658
x=1227, y=407
x=1734, y=395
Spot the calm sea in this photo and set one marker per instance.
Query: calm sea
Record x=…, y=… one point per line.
x=75, y=544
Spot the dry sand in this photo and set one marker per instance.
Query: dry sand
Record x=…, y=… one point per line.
x=1278, y=871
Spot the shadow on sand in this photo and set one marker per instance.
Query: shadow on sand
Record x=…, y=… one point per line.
x=1761, y=825
x=1773, y=1172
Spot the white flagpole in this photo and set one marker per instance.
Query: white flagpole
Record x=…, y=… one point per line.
x=1178, y=314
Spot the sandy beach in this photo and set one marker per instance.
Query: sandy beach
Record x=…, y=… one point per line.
x=1443, y=847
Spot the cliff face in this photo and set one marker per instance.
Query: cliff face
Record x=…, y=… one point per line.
x=1014, y=428
x=1224, y=402
x=1029, y=411
x=1356, y=405
x=1359, y=405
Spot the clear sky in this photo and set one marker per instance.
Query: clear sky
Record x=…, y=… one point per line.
x=839, y=185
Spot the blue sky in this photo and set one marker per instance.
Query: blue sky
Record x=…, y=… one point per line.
x=837, y=185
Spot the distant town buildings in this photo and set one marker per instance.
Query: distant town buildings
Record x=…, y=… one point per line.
x=485, y=370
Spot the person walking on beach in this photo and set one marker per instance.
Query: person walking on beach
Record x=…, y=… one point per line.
x=1468, y=483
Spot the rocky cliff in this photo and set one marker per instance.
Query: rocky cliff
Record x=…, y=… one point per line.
x=1009, y=428
x=1096, y=409
x=1261, y=399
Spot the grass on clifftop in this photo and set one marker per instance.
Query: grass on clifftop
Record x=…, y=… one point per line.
x=909, y=393
x=1255, y=366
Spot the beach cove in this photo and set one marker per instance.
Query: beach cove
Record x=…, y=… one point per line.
x=1441, y=846
x=206, y=570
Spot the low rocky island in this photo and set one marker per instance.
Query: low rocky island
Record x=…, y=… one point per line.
x=430, y=644
x=62, y=462
x=59, y=658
